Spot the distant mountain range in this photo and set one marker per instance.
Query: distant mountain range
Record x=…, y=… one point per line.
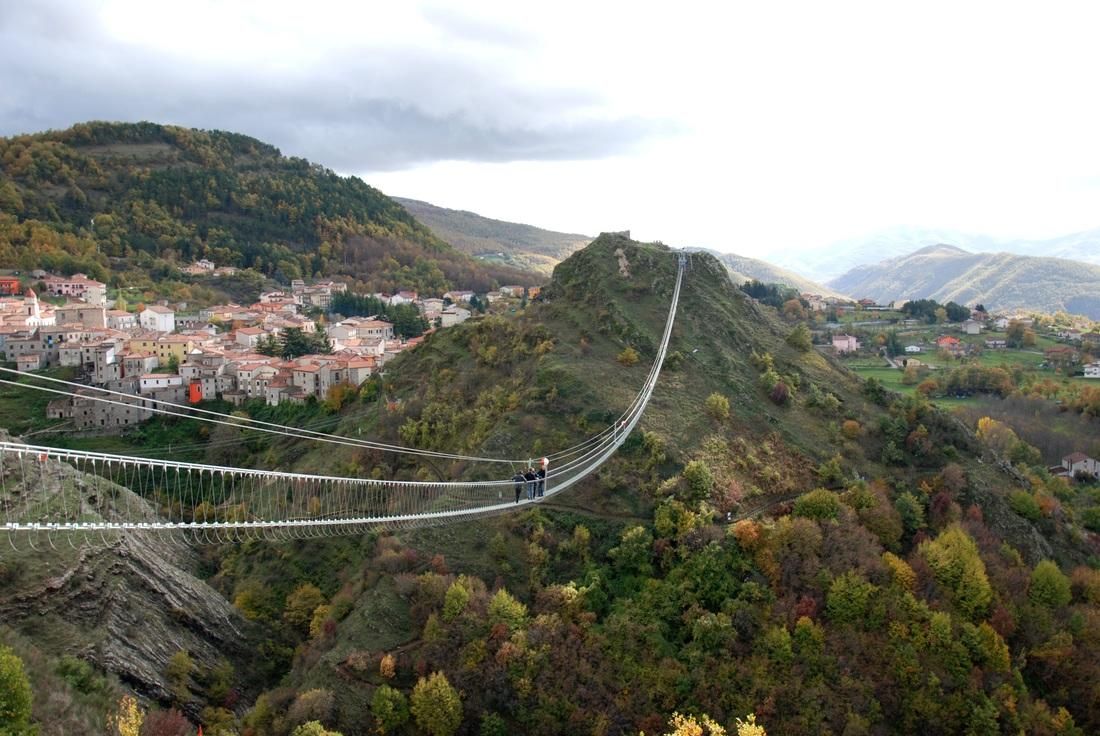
x=510, y=243
x=840, y=257
x=1000, y=281
x=742, y=268
x=535, y=249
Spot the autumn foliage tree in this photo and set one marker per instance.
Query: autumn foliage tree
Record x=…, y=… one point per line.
x=127, y=718
x=628, y=357
x=959, y=570
x=436, y=705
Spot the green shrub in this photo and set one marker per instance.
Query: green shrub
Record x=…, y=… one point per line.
x=817, y=504
x=436, y=705
x=1049, y=586
x=389, y=708
x=699, y=479
x=628, y=357
x=1090, y=518
x=15, y=695
x=80, y=675
x=849, y=598
x=830, y=472
x=455, y=600
x=1024, y=504
x=718, y=407
x=800, y=339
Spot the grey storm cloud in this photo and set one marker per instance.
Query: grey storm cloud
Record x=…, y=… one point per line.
x=365, y=110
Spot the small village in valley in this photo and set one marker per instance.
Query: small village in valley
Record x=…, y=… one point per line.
x=290, y=346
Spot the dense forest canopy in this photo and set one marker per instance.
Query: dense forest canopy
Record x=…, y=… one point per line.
x=104, y=197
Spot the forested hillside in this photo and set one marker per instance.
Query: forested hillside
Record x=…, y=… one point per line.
x=525, y=246
x=1000, y=281
x=107, y=198
x=777, y=538
x=887, y=586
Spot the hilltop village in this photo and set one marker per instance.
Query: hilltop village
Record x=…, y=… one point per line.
x=276, y=350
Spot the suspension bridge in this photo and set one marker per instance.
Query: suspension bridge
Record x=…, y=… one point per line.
x=51, y=496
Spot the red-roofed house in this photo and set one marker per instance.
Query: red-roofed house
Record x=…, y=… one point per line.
x=951, y=344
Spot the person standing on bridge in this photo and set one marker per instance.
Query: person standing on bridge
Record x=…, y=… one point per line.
x=519, y=480
x=531, y=482
x=540, y=474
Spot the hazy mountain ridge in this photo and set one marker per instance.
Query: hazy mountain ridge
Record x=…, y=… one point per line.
x=838, y=258
x=524, y=246
x=1000, y=281
x=538, y=249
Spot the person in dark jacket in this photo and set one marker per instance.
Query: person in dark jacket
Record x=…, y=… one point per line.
x=531, y=482
x=541, y=475
x=519, y=480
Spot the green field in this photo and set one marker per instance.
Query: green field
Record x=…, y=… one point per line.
x=891, y=379
x=1009, y=357
x=860, y=315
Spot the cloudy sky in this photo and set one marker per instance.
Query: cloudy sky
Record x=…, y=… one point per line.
x=759, y=128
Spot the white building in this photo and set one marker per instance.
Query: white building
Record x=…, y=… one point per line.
x=912, y=348
x=1079, y=462
x=158, y=318
x=375, y=328
x=1092, y=370
x=150, y=382
x=120, y=319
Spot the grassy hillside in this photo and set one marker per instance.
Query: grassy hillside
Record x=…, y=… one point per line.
x=549, y=376
x=1000, y=281
x=108, y=198
x=524, y=246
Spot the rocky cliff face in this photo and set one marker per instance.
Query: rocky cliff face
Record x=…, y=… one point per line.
x=125, y=605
